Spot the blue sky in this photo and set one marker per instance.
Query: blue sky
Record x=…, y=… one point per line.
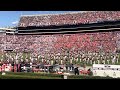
x=10, y=18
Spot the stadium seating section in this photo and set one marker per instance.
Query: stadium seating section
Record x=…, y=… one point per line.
x=69, y=18
x=89, y=47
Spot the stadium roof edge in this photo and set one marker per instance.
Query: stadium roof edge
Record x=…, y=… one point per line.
x=57, y=13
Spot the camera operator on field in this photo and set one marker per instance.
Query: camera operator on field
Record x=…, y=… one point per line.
x=76, y=71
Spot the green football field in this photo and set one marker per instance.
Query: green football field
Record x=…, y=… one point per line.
x=22, y=75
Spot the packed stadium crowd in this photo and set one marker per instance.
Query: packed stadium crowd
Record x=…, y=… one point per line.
x=80, y=48
x=69, y=18
x=90, y=48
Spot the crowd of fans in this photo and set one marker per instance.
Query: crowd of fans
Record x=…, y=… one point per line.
x=63, y=48
x=59, y=43
x=98, y=47
x=69, y=18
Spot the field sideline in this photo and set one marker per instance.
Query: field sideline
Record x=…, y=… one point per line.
x=21, y=75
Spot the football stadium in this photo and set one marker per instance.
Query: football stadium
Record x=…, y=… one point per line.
x=73, y=45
